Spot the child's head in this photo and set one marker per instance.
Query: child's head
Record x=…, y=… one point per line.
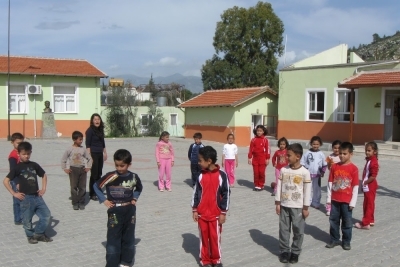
x=345, y=152
x=230, y=138
x=77, y=137
x=207, y=157
x=294, y=153
x=283, y=143
x=371, y=148
x=16, y=139
x=197, y=138
x=315, y=143
x=96, y=121
x=336, y=146
x=164, y=136
x=260, y=130
x=24, y=151
x=122, y=160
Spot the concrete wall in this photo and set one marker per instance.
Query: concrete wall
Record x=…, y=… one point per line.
x=335, y=55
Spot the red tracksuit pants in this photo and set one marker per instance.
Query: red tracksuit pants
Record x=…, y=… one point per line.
x=369, y=204
x=210, y=241
x=259, y=171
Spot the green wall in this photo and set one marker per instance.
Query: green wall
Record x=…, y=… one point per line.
x=266, y=104
x=211, y=116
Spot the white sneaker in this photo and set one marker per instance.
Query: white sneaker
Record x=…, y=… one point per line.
x=328, y=213
x=121, y=265
x=161, y=190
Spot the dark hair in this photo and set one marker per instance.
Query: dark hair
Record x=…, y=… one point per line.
x=198, y=135
x=76, y=135
x=165, y=133
x=16, y=136
x=373, y=145
x=283, y=139
x=230, y=135
x=316, y=138
x=261, y=127
x=336, y=142
x=347, y=145
x=99, y=131
x=26, y=146
x=296, y=148
x=208, y=152
x=124, y=155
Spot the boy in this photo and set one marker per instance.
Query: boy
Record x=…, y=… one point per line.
x=123, y=190
x=32, y=203
x=13, y=160
x=342, y=195
x=209, y=207
x=193, y=156
x=80, y=163
x=292, y=199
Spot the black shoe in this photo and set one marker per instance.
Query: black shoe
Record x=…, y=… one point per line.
x=332, y=244
x=42, y=238
x=346, y=246
x=294, y=258
x=81, y=206
x=75, y=207
x=94, y=198
x=32, y=240
x=208, y=265
x=284, y=257
x=218, y=265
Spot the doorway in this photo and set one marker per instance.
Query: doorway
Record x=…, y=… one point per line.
x=256, y=120
x=392, y=116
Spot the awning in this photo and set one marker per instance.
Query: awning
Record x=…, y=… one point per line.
x=364, y=79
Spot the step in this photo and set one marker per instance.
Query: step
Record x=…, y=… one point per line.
x=384, y=151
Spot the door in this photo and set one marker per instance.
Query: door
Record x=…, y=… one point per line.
x=389, y=109
x=255, y=120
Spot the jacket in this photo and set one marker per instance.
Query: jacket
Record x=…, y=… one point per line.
x=259, y=146
x=193, y=153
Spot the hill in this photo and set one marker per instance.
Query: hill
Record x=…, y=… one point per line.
x=381, y=48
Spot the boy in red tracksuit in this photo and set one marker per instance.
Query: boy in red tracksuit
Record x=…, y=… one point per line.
x=259, y=154
x=210, y=202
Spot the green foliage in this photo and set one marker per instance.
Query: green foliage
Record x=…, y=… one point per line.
x=157, y=123
x=152, y=87
x=247, y=43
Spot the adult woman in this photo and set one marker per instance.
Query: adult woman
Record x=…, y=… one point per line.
x=97, y=148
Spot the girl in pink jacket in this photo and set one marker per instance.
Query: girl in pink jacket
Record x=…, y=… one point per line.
x=165, y=160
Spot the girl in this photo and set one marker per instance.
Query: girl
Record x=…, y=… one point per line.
x=259, y=155
x=165, y=160
x=279, y=160
x=332, y=159
x=230, y=158
x=369, y=186
x=96, y=146
x=314, y=161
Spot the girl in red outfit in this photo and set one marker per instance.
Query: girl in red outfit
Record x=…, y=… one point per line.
x=369, y=186
x=280, y=160
x=259, y=154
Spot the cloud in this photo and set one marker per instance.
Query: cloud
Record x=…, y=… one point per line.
x=58, y=25
x=57, y=9
x=113, y=67
x=164, y=62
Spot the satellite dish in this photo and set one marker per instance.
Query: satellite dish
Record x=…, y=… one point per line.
x=179, y=100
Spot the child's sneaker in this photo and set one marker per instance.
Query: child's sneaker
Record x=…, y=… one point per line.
x=218, y=265
x=81, y=206
x=161, y=190
x=75, y=207
x=372, y=224
x=273, y=194
x=42, y=238
x=284, y=257
x=294, y=258
x=32, y=240
x=169, y=189
x=360, y=226
x=328, y=213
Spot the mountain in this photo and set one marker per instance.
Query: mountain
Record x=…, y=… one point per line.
x=192, y=83
x=381, y=48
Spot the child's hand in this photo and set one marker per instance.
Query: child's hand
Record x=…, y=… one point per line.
x=222, y=164
x=249, y=161
x=237, y=164
x=266, y=161
x=322, y=175
x=172, y=164
x=19, y=195
x=67, y=171
x=222, y=218
x=87, y=169
x=278, y=209
x=158, y=164
x=305, y=213
x=133, y=202
x=41, y=192
x=104, y=156
x=195, y=216
x=351, y=208
x=108, y=203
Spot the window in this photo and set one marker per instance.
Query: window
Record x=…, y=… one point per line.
x=146, y=119
x=64, y=99
x=342, y=105
x=18, y=99
x=316, y=104
x=173, y=119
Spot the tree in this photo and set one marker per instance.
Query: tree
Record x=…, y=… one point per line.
x=247, y=43
x=151, y=87
x=157, y=123
x=375, y=38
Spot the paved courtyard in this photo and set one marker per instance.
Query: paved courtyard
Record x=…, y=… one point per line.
x=166, y=234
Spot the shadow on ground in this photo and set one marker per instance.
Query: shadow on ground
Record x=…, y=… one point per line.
x=384, y=191
x=189, y=182
x=190, y=244
x=268, y=242
x=50, y=232
x=317, y=233
x=137, y=240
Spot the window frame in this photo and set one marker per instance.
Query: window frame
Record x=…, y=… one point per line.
x=52, y=103
x=307, y=107
x=141, y=120
x=336, y=103
x=170, y=119
x=8, y=91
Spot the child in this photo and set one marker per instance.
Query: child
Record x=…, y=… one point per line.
x=342, y=195
x=31, y=196
x=279, y=160
x=80, y=163
x=369, y=186
x=314, y=161
x=193, y=155
x=165, y=160
x=210, y=202
x=123, y=190
x=330, y=160
x=13, y=160
x=291, y=200
x=259, y=154
x=230, y=159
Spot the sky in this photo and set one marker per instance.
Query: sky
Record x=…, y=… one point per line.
x=164, y=37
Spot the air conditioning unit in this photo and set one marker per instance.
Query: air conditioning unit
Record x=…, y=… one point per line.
x=34, y=89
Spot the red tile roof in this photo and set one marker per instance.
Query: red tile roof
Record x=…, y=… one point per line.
x=226, y=97
x=49, y=66
x=372, y=79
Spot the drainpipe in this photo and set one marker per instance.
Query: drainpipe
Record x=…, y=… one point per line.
x=377, y=64
x=34, y=100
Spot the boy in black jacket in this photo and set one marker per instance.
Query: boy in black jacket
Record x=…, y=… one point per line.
x=193, y=155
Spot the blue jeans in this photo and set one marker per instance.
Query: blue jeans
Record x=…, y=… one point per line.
x=16, y=204
x=31, y=205
x=341, y=211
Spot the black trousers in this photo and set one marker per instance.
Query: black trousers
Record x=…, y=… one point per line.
x=77, y=179
x=195, y=169
x=96, y=171
x=120, y=248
